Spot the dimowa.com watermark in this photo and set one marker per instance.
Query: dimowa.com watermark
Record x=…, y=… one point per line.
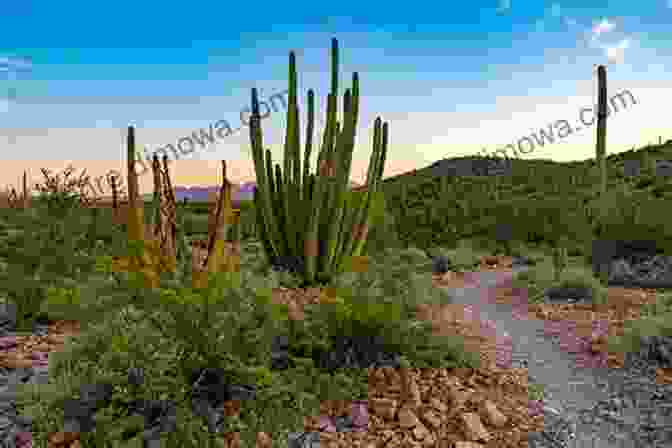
x=587, y=117
x=186, y=145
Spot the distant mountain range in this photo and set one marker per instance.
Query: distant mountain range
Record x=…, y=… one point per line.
x=203, y=193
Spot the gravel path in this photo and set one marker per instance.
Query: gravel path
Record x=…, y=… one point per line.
x=586, y=407
x=598, y=407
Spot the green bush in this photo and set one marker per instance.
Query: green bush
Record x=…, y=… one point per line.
x=196, y=224
x=383, y=235
x=581, y=278
x=535, y=281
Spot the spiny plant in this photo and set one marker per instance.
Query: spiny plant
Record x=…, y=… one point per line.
x=61, y=194
x=314, y=220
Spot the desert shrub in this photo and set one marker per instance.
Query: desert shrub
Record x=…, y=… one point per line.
x=644, y=181
x=534, y=280
x=653, y=325
x=383, y=302
x=45, y=252
x=412, y=256
x=465, y=256
x=174, y=334
x=383, y=235
x=195, y=223
x=581, y=278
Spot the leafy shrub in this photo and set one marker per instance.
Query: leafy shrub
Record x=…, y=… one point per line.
x=196, y=223
x=630, y=341
x=535, y=280
x=384, y=299
x=465, y=256
x=383, y=235
x=644, y=181
x=174, y=333
x=580, y=278
x=60, y=301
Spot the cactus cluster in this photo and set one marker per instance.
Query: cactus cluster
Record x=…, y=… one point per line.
x=314, y=219
x=158, y=245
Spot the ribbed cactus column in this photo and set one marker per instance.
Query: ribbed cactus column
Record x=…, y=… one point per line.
x=315, y=218
x=601, y=143
x=600, y=157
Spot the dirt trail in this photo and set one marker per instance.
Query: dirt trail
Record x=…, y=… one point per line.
x=569, y=386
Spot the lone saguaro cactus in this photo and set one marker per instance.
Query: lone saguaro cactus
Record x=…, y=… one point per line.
x=600, y=159
x=601, y=144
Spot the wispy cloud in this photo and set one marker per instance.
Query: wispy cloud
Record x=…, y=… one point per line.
x=616, y=54
x=615, y=51
x=15, y=64
x=604, y=26
x=108, y=100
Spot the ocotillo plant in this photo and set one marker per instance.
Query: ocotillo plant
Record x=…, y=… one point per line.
x=26, y=199
x=115, y=203
x=163, y=209
x=138, y=260
x=217, y=260
x=146, y=256
x=322, y=231
x=14, y=198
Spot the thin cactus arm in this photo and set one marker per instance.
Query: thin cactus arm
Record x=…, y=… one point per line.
x=268, y=219
x=310, y=128
x=345, y=145
x=289, y=161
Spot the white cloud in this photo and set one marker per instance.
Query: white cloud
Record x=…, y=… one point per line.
x=601, y=27
x=616, y=54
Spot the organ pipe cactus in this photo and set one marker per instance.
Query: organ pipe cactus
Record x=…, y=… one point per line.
x=316, y=218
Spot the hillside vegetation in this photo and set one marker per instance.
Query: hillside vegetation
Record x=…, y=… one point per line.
x=537, y=201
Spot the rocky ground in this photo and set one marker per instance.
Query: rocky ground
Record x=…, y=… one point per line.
x=470, y=408
x=636, y=411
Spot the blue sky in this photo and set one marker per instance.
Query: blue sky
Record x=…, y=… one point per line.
x=452, y=78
